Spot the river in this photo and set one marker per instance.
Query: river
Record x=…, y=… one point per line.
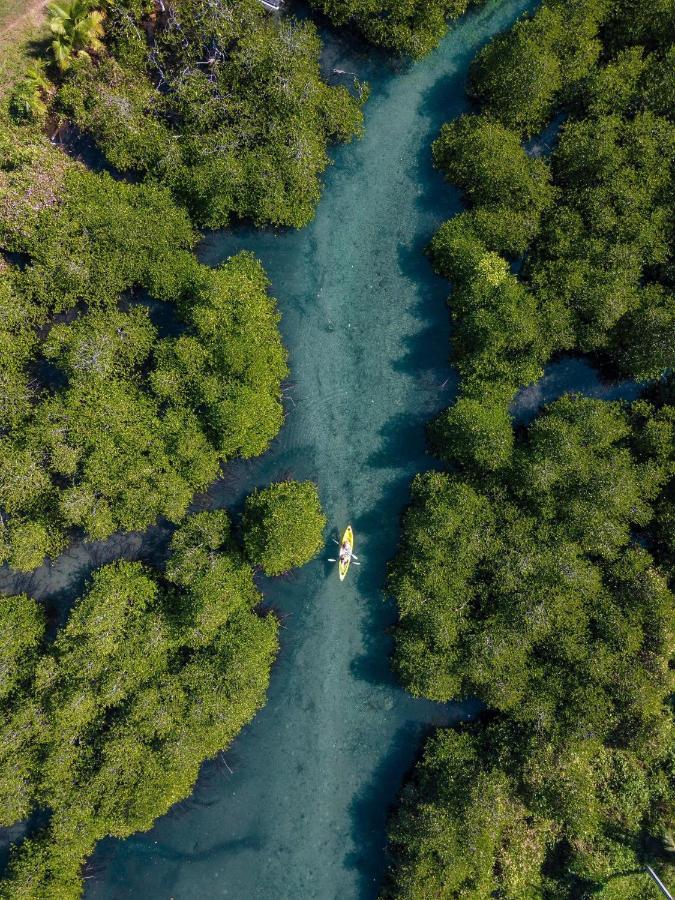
x=297, y=806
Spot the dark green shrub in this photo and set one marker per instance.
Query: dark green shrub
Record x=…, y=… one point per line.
x=473, y=433
x=520, y=76
x=486, y=160
x=283, y=526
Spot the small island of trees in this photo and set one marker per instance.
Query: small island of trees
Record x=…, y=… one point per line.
x=284, y=526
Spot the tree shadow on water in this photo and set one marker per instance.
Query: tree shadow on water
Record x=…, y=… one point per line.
x=381, y=525
x=401, y=441
x=370, y=809
x=447, y=99
x=426, y=350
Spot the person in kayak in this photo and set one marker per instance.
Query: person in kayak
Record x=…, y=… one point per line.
x=345, y=552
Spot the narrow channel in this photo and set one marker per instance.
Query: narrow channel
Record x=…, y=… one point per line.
x=297, y=807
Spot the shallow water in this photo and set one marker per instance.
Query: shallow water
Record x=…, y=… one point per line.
x=297, y=807
x=570, y=374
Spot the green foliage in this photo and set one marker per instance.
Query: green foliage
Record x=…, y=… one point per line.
x=140, y=423
x=473, y=433
x=499, y=336
x=216, y=585
x=462, y=829
x=87, y=237
x=103, y=345
x=103, y=237
x=122, y=110
x=283, y=526
x=486, y=160
x=525, y=587
x=18, y=318
x=490, y=809
x=32, y=173
x=520, y=76
x=594, y=225
x=658, y=83
x=21, y=635
x=146, y=680
x=27, y=102
x=110, y=437
x=126, y=426
x=610, y=227
x=447, y=521
x=522, y=578
x=105, y=426
x=644, y=341
x=576, y=474
x=412, y=27
x=230, y=112
x=228, y=367
x=77, y=28
x=616, y=87
x=633, y=22
x=567, y=500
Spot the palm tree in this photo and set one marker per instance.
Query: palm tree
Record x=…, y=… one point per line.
x=77, y=30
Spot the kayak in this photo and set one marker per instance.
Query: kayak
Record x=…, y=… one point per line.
x=347, y=538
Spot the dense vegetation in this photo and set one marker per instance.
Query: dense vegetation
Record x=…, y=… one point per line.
x=129, y=374
x=106, y=425
x=283, y=525
x=106, y=726
x=411, y=27
x=533, y=574
x=527, y=589
x=594, y=223
x=221, y=103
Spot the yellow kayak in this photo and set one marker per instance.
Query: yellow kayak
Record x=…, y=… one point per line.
x=348, y=542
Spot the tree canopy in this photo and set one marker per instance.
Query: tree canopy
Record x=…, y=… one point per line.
x=108, y=725
x=520, y=76
x=106, y=425
x=139, y=423
x=591, y=224
x=526, y=588
x=533, y=573
x=410, y=27
x=225, y=106
x=283, y=526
